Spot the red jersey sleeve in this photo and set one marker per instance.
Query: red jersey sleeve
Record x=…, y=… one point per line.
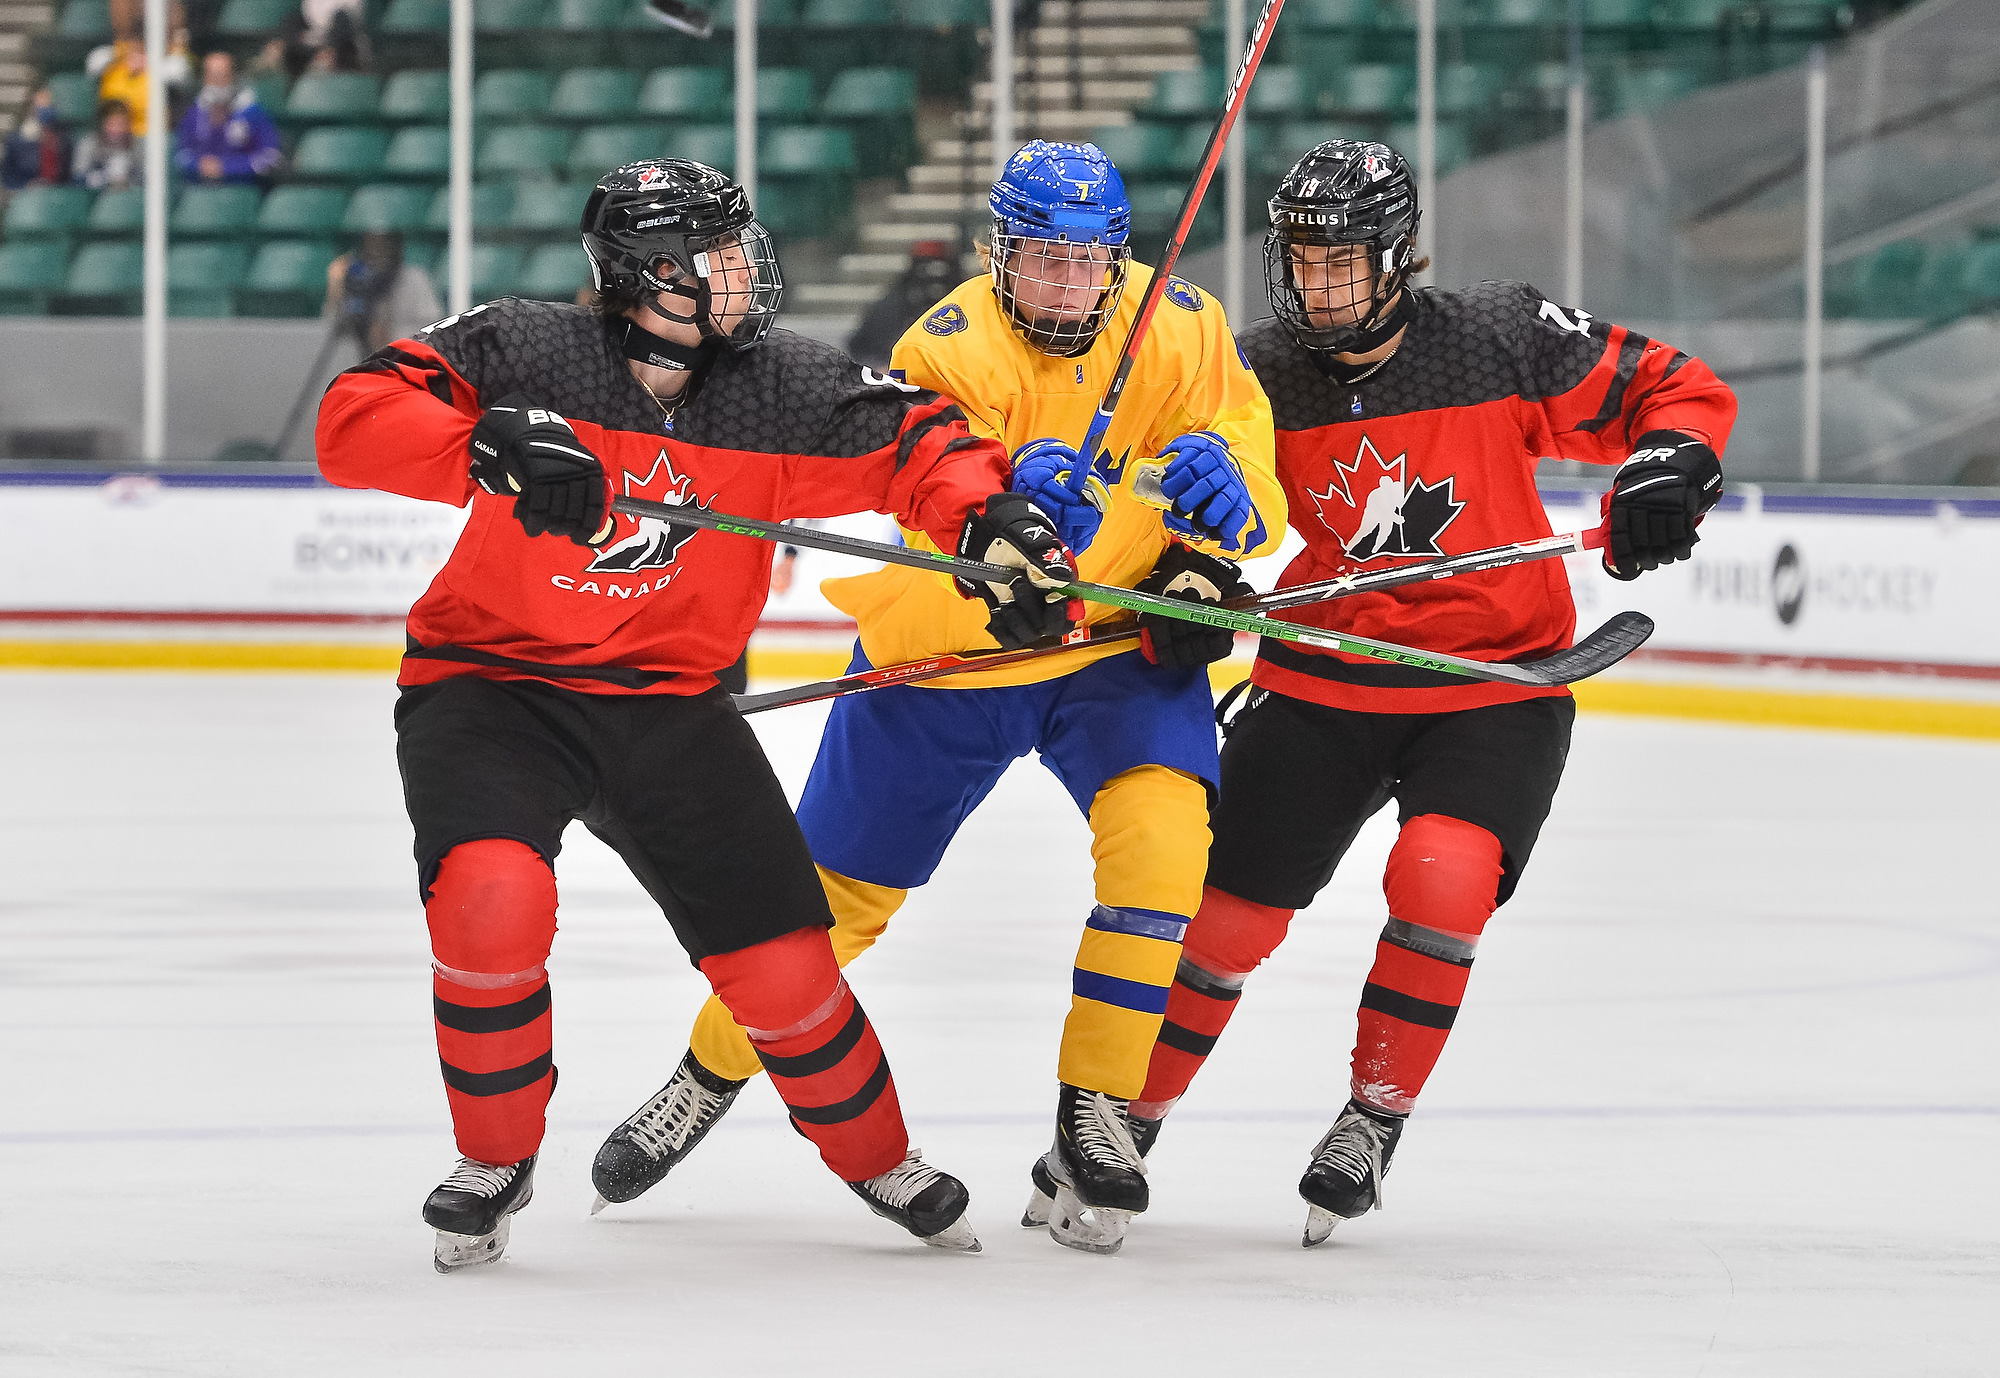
x=1630, y=385
x=399, y=421
x=929, y=473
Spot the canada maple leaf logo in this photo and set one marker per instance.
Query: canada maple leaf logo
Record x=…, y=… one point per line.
x=1394, y=516
x=654, y=543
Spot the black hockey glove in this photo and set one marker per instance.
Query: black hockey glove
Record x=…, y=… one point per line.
x=1655, y=501
x=518, y=447
x=1197, y=578
x=1013, y=531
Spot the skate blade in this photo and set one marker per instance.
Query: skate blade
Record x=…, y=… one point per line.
x=460, y=1251
x=1319, y=1225
x=597, y=1204
x=1040, y=1205
x=957, y=1237
x=1090, y=1229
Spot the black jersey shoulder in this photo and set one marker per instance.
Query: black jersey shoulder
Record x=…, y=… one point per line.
x=796, y=395
x=1465, y=346
x=558, y=354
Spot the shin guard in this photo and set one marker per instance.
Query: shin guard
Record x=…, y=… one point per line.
x=1224, y=944
x=492, y=915
x=819, y=1048
x=1442, y=881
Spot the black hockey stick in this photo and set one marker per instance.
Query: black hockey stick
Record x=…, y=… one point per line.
x=689, y=19
x=1218, y=139
x=1127, y=631
x=1532, y=673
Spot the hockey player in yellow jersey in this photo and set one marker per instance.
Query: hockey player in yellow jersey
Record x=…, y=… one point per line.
x=1027, y=352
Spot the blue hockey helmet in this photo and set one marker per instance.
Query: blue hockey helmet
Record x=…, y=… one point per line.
x=1067, y=195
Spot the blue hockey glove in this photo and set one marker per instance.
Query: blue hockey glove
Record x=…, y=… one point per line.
x=1041, y=470
x=1209, y=500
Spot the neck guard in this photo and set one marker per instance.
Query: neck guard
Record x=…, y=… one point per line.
x=643, y=346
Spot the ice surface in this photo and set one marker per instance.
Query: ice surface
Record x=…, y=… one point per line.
x=1723, y=1101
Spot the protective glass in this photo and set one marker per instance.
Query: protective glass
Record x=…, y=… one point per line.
x=1059, y=295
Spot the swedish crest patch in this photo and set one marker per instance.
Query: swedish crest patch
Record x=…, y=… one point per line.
x=948, y=319
x=1183, y=294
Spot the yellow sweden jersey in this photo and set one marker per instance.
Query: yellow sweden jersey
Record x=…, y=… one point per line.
x=1189, y=376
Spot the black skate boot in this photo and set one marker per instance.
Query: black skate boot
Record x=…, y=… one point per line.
x=1042, y=1202
x=472, y=1209
x=1094, y=1177
x=928, y=1203
x=644, y=1149
x=1345, y=1178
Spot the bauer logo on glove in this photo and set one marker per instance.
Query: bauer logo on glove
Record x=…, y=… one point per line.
x=518, y=447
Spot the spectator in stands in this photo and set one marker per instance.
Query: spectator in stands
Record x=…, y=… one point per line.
x=111, y=157
x=226, y=136
x=933, y=270
x=320, y=35
x=37, y=152
x=374, y=293
x=122, y=66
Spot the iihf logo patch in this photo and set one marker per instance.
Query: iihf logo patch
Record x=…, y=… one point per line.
x=1183, y=294
x=948, y=319
x=1394, y=519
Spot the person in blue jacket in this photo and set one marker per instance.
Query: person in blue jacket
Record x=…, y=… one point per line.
x=226, y=135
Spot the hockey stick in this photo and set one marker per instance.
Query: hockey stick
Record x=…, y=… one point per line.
x=1122, y=630
x=1554, y=670
x=677, y=14
x=1239, y=90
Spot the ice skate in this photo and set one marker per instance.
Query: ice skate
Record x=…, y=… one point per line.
x=644, y=1149
x=1042, y=1199
x=471, y=1211
x=1094, y=1177
x=1345, y=1178
x=928, y=1203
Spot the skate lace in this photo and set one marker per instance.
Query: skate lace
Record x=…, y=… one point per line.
x=1353, y=1148
x=1102, y=1134
x=900, y=1184
x=667, y=1120
x=480, y=1179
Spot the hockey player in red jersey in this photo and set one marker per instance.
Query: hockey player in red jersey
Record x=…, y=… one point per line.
x=1409, y=422
x=549, y=679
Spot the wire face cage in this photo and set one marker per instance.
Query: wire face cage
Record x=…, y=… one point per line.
x=1060, y=295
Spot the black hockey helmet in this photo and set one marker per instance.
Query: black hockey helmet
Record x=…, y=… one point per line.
x=1345, y=191
x=654, y=226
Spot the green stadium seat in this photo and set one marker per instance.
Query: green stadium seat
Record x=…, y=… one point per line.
x=496, y=271
x=555, y=272
x=215, y=212
x=819, y=161
x=511, y=93
x=543, y=207
x=1185, y=95
x=839, y=34
x=1154, y=207
x=298, y=210
x=713, y=144
x=1330, y=14
x=508, y=16
x=75, y=96
x=253, y=18
x=121, y=212
x=341, y=153
x=523, y=150
x=871, y=91
x=108, y=277
x=1886, y=284
x=387, y=206
x=1980, y=283
x=691, y=93
x=771, y=14
x=491, y=204
x=287, y=278
x=334, y=97
x=845, y=14
x=1278, y=92
x=1370, y=88
x=1616, y=14
x=1940, y=286
x=805, y=150
x=1138, y=151
x=417, y=17
x=1649, y=88
x=85, y=19
x=784, y=93
x=606, y=146
x=422, y=150
x=29, y=272
x=201, y=278
x=47, y=212
x=1454, y=144
x=1523, y=14
x=799, y=210
x=417, y=94
x=1192, y=142
x=595, y=93
x=1466, y=88
x=273, y=90
x=583, y=15
x=1696, y=16
x=946, y=14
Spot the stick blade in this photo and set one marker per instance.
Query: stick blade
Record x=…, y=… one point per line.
x=1623, y=634
x=677, y=14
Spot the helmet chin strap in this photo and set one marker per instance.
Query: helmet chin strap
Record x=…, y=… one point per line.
x=1367, y=339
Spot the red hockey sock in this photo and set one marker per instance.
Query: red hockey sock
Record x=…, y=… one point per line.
x=1442, y=879
x=1226, y=940
x=492, y=915
x=813, y=1038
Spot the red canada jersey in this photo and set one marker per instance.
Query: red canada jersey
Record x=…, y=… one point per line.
x=1434, y=454
x=792, y=428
